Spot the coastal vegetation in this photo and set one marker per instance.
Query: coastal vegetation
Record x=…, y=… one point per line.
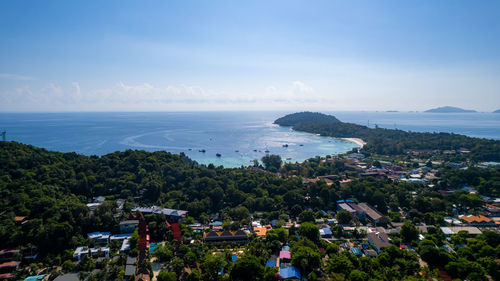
x=394, y=142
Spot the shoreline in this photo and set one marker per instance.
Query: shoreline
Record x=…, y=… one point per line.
x=357, y=141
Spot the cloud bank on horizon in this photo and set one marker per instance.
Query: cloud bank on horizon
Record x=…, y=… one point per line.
x=220, y=55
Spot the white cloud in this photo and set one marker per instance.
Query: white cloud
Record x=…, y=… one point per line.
x=123, y=96
x=10, y=76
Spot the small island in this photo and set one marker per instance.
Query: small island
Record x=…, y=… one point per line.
x=449, y=109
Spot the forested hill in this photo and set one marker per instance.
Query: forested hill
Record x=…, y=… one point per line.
x=51, y=190
x=389, y=141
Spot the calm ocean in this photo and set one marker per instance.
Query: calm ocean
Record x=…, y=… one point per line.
x=239, y=137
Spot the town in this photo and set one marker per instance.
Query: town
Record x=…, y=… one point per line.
x=149, y=242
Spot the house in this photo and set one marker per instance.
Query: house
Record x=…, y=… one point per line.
x=290, y=273
x=99, y=238
x=325, y=232
x=450, y=230
x=371, y=253
x=130, y=267
x=271, y=262
x=373, y=214
x=8, y=254
x=238, y=237
x=128, y=226
x=172, y=215
x=344, y=182
x=95, y=252
x=7, y=269
x=260, y=231
x=378, y=240
x=20, y=219
x=352, y=208
x=285, y=256
x=9, y=266
x=476, y=220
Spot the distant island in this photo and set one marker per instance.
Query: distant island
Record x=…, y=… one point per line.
x=449, y=109
x=496, y=111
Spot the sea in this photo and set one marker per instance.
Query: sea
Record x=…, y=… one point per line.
x=230, y=139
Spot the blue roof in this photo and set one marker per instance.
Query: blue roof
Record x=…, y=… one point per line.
x=98, y=233
x=34, y=278
x=122, y=235
x=285, y=248
x=327, y=231
x=271, y=263
x=217, y=223
x=289, y=272
x=234, y=258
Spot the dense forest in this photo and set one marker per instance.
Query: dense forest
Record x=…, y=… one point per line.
x=51, y=189
x=390, y=141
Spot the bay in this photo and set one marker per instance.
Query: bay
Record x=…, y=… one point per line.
x=239, y=137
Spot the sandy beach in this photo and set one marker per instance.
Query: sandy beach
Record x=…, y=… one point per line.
x=358, y=141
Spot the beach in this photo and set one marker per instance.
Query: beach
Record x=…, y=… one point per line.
x=357, y=141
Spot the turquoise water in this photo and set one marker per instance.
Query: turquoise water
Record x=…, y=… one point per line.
x=239, y=137
x=235, y=135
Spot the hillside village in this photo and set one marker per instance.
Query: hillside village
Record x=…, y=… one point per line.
x=153, y=241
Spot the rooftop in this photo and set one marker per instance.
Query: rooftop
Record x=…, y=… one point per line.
x=475, y=219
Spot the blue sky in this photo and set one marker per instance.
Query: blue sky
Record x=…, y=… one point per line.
x=232, y=55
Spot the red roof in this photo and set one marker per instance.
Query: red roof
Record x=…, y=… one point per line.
x=10, y=264
x=177, y=232
x=6, y=276
x=15, y=251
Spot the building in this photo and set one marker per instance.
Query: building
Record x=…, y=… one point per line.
x=128, y=226
x=325, y=232
x=172, y=215
x=80, y=252
x=238, y=237
x=7, y=269
x=379, y=240
x=130, y=267
x=285, y=256
x=352, y=208
x=8, y=254
x=450, y=230
x=479, y=220
x=290, y=273
x=260, y=231
x=373, y=214
x=99, y=238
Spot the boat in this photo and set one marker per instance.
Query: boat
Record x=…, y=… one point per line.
x=189, y=149
x=288, y=158
x=266, y=151
x=301, y=145
x=218, y=155
x=285, y=145
x=236, y=151
x=202, y=150
x=255, y=150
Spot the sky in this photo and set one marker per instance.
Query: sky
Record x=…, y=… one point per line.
x=248, y=55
